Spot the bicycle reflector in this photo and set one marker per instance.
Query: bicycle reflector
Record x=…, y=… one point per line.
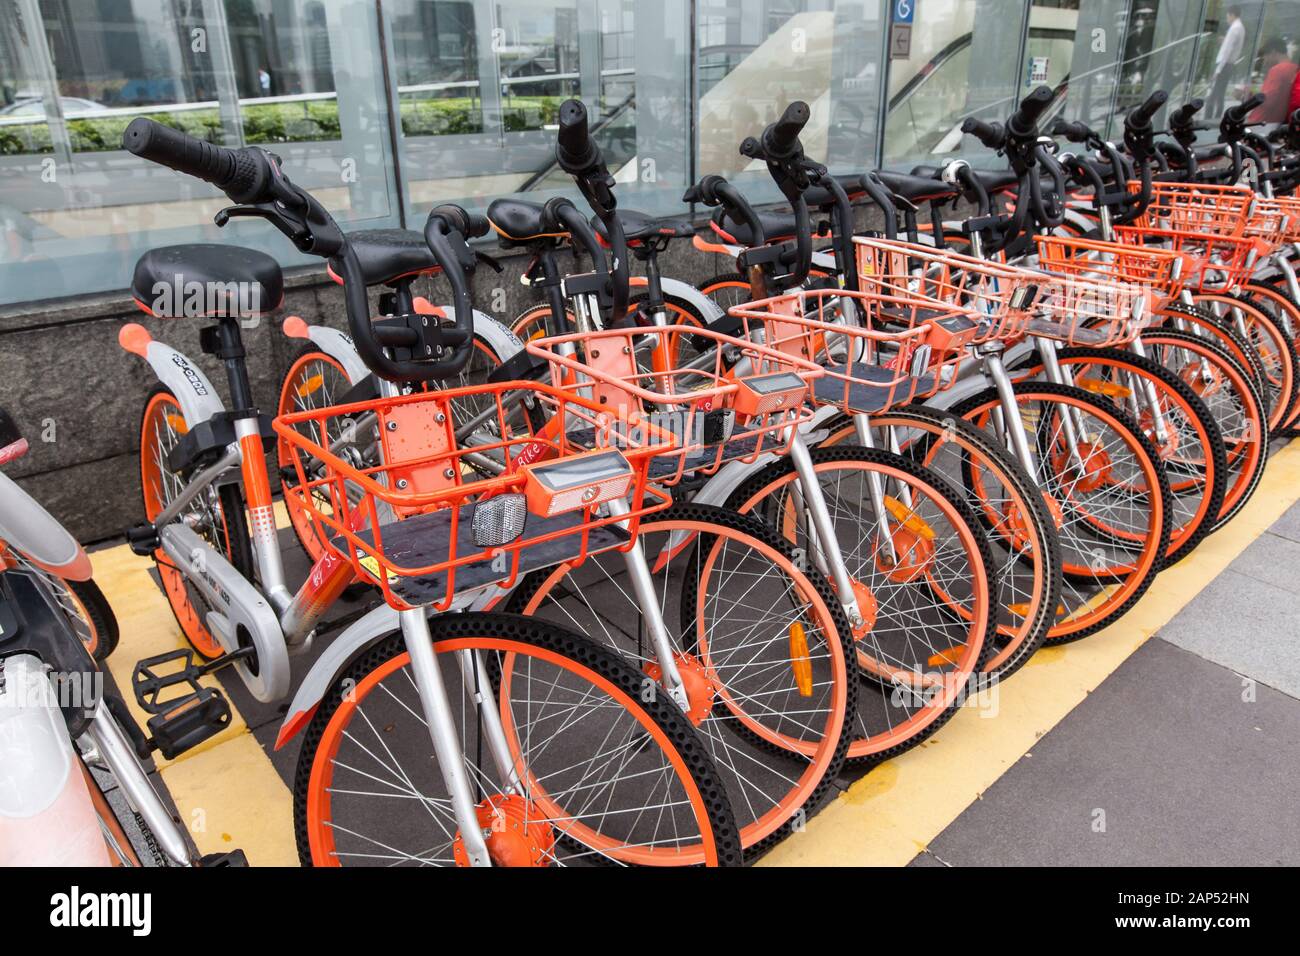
x=500, y=520
x=764, y=394
x=582, y=481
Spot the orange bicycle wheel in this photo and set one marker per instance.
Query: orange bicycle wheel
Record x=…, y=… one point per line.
x=599, y=772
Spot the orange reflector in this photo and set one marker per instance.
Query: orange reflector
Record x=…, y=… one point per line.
x=908, y=518
x=800, y=664
x=310, y=385
x=177, y=422
x=950, y=656
x=1023, y=609
x=1100, y=387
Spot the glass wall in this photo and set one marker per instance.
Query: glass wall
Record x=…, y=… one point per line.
x=384, y=114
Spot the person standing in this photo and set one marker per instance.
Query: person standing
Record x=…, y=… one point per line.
x=1225, y=62
x=1279, y=78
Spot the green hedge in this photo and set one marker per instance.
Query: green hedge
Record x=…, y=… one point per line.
x=271, y=123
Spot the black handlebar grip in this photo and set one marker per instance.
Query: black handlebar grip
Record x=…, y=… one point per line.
x=457, y=219
x=990, y=134
x=1238, y=113
x=1183, y=115
x=242, y=174
x=575, y=150
x=1075, y=132
x=1024, y=121
x=1141, y=116
x=781, y=139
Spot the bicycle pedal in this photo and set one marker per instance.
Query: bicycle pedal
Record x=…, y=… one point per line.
x=143, y=539
x=147, y=683
x=189, y=721
x=229, y=858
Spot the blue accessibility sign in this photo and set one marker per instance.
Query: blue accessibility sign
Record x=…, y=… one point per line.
x=904, y=10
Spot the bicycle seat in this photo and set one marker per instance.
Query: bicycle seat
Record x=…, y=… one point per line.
x=206, y=279
x=640, y=226
x=916, y=189
x=776, y=227
x=387, y=256
x=518, y=221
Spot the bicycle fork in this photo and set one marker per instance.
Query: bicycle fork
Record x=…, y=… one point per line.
x=438, y=715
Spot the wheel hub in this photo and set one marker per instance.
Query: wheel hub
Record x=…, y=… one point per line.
x=868, y=609
x=514, y=833
x=699, y=686
x=913, y=555
x=1097, y=469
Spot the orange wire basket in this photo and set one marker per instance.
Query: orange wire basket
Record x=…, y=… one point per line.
x=1290, y=207
x=1216, y=262
x=734, y=400
x=1196, y=208
x=1157, y=270
x=866, y=370
x=436, y=517
x=994, y=291
x=1270, y=221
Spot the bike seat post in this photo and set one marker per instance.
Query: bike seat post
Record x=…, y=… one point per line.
x=654, y=305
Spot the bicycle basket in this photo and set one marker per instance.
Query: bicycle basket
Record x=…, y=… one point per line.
x=866, y=370
x=1195, y=208
x=455, y=509
x=1157, y=270
x=1213, y=262
x=994, y=291
x=733, y=401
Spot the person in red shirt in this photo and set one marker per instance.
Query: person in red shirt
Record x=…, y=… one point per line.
x=1279, y=82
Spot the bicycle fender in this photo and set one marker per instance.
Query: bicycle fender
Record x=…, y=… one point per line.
x=199, y=401
x=28, y=528
x=359, y=635
x=337, y=345
x=709, y=310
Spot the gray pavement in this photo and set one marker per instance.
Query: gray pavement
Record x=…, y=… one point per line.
x=1189, y=754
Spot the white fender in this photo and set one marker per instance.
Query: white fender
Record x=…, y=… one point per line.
x=199, y=401
x=337, y=345
x=28, y=528
x=709, y=310
x=46, y=814
x=316, y=684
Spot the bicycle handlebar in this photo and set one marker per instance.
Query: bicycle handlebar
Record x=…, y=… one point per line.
x=1023, y=123
x=1238, y=113
x=991, y=135
x=1140, y=117
x=781, y=139
x=252, y=178
x=245, y=175
x=1076, y=132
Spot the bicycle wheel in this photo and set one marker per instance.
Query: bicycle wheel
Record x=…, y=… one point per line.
x=1268, y=340
x=727, y=289
x=1017, y=523
x=597, y=771
x=217, y=515
x=1232, y=399
x=1184, y=433
x=313, y=380
x=83, y=604
x=1274, y=298
x=920, y=574
x=1110, y=492
x=1207, y=325
x=762, y=647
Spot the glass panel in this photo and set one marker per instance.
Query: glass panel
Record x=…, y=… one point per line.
x=496, y=75
x=1159, y=52
x=76, y=211
x=1224, y=55
x=953, y=71
x=757, y=56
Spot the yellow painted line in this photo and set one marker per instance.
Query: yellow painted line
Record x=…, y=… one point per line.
x=226, y=789
x=892, y=814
